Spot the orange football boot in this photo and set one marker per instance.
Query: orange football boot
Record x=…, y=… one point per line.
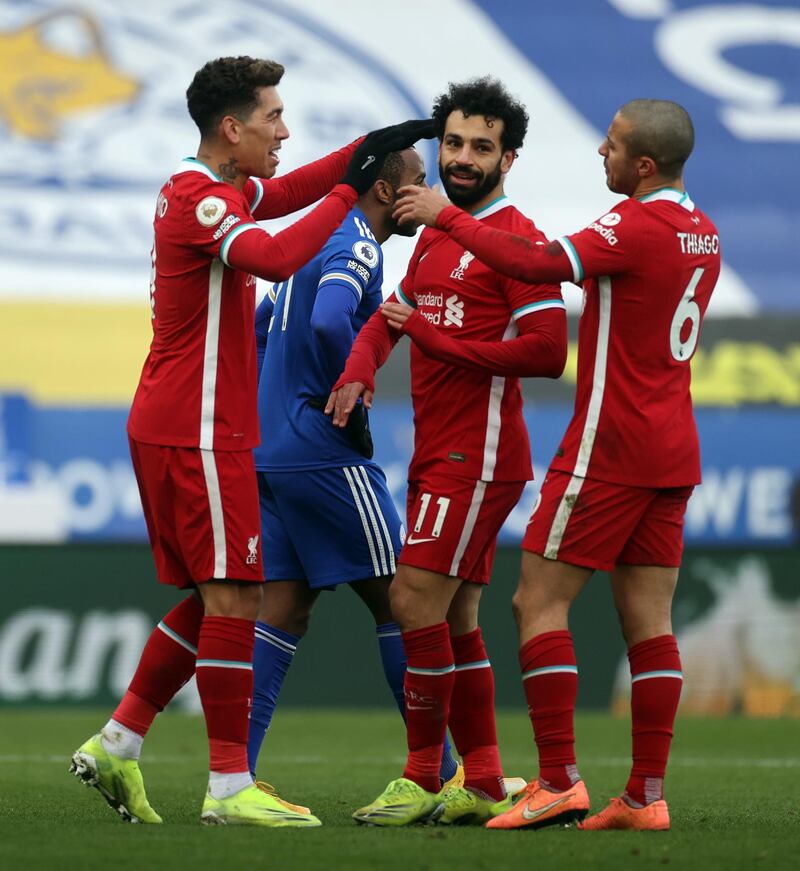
x=653, y=817
x=539, y=807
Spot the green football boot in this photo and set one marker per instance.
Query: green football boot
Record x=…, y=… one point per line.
x=119, y=781
x=463, y=807
x=402, y=803
x=253, y=806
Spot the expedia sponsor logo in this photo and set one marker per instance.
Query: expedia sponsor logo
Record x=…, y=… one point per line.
x=359, y=269
x=223, y=228
x=606, y=232
x=698, y=243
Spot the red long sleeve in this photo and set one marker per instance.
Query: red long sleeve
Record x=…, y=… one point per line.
x=370, y=351
x=507, y=253
x=303, y=186
x=277, y=257
x=540, y=351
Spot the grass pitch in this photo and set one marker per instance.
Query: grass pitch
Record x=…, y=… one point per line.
x=732, y=787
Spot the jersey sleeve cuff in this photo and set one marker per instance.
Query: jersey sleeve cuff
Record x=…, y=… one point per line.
x=234, y=234
x=574, y=259
x=538, y=306
x=342, y=278
x=403, y=298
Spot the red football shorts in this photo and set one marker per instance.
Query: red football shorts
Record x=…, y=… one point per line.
x=599, y=525
x=201, y=509
x=453, y=524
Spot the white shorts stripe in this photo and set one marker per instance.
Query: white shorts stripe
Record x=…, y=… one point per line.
x=382, y=520
x=366, y=503
x=367, y=535
x=176, y=638
x=217, y=515
x=469, y=526
x=561, y=519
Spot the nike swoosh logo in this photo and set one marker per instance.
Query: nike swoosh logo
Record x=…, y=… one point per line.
x=412, y=540
x=532, y=815
x=368, y=161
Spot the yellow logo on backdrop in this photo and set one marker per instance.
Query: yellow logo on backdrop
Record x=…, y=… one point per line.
x=40, y=85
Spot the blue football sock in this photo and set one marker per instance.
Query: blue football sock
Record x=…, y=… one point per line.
x=272, y=657
x=393, y=658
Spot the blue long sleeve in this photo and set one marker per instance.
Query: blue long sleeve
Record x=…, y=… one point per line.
x=331, y=321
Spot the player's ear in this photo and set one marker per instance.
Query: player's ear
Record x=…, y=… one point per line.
x=229, y=129
x=507, y=160
x=384, y=192
x=646, y=167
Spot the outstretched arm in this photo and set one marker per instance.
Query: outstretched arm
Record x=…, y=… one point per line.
x=275, y=258
x=275, y=197
x=506, y=253
x=539, y=351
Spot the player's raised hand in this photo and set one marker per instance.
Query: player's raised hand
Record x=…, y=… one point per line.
x=419, y=205
x=342, y=401
x=396, y=313
x=368, y=157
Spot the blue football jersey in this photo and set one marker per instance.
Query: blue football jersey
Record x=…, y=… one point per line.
x=309, y=323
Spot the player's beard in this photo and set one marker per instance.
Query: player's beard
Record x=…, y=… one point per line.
x=465, y=198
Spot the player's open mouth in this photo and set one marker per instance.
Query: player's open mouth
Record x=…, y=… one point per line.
x=274, y=155
x=463, y=178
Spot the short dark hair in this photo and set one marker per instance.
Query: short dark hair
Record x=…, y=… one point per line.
x=229, y=86
x=392, y=169
x=661, y=130
x=488, y=97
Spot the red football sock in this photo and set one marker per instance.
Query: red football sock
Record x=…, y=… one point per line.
x=225, y=684
x=656, y=681
x=472, y=715
x=550, y=680
x=428, y=687
x=166, y=663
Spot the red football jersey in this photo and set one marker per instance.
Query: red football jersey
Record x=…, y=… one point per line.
x=198, y=384
x=467, y=423
x=648, y=268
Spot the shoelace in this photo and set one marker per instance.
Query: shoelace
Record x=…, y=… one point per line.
x=268, y=788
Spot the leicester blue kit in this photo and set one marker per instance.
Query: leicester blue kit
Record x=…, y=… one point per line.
x=326, y=513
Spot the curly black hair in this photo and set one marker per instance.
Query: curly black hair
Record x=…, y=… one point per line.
x=488, y=97
x=229, y=86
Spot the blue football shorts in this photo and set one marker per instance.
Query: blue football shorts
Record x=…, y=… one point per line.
x=328, y=526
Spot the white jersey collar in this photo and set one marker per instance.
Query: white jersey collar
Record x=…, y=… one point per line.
x=493, y=207
x=192, y=164
x=673, y=195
